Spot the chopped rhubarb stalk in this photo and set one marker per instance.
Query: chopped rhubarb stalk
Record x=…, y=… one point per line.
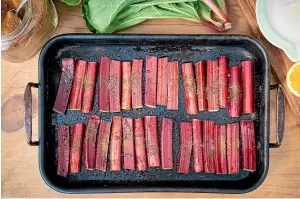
x=136, y=83
x=90, y=142
x=103, y=90
x=212, y=86
x=173, y=75
x=63, y=151
x=77, y=87
x=162, y=81
x=76, y=148
x=221, y=160
x=186, y=143
x=189, y=86
x=235, y=97
x=150, y=123
x=151, y=81
x=223, y=81
x=233, y=146
x=65, y=85
x=197, y=145
x=89, y=87
x=116, y=144
x=102, y=147
x=200, y=79
x=247, y=86
x=126, y=86
x=166, y=144
x=115, y=86
x=140, y=149
x=209, y=146
x=128, y=144
x=248, y=145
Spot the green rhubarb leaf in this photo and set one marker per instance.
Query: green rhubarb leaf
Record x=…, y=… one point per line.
x=72, y=2
x=86, y=16
x=221, y=5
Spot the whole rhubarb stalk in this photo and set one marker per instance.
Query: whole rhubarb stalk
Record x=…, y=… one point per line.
x=77, y=87
x=235, y=96
x=212, y=86
x=128, y=143
x=233, y=147
x=162, y=81
x=140, y=148
x=115, y=86
x=136, y=83
x=102, y=147
x=223, y=81
x=166, y=143
x=185, y=151
x=103, y=90
x=126, y=86
x=89, y=87
x=63, y=150
x=247, y=86
x=172, y=92
x=197, y=145
x=151, y=81
x=65, y=85
x=150, y=123
x=221, y=159
x=116, y=144
x=90, y=142
x=189, y=86
x=201, y=85
x=248, y=145
x=76, y=148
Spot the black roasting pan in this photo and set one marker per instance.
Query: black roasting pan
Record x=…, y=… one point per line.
x=184, y=48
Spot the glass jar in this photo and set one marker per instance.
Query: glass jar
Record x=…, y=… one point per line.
x=37, y=26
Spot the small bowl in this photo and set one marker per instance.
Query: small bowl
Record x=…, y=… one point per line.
x=279, y=21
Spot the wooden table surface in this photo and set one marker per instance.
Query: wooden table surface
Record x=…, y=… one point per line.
x=20, y=172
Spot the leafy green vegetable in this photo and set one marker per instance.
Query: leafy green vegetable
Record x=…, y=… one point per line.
x=72, y=2
x=86, y=16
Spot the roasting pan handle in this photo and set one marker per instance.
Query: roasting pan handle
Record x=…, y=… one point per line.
x=280, y=115
x=28, y=114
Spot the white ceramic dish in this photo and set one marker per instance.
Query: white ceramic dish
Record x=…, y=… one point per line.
x=279, y=21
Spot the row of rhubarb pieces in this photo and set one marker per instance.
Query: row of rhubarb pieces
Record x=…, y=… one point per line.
x=213, y=148
x=214, y=86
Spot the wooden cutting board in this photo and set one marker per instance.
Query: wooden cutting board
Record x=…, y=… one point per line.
x=280, y=64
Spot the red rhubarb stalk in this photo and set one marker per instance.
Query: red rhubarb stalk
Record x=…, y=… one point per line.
x=223, y=81
x=126, y=86
x=162, y=81
x=233, y=156
x=140, y=149
x=115, y=86
x=166, y=143
x=173, y=73
x=186, y=143
x=247, y=86
x=235, y=97
x=248, y=145
x=76, y=148
x=128, y=144
x=77, y=87
x=89, y=87
x=63, y=151
x=151, y=81
x=200, y=79
x=116, y=144
x=197, y=145
x=136, y=83
x=102, y=147
x=209, y=146
x=103, y=90
x=150, y=123
x=90, y=142
x=189, y=86
x=65, y=85
x=212, y=86
x=221, y=159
